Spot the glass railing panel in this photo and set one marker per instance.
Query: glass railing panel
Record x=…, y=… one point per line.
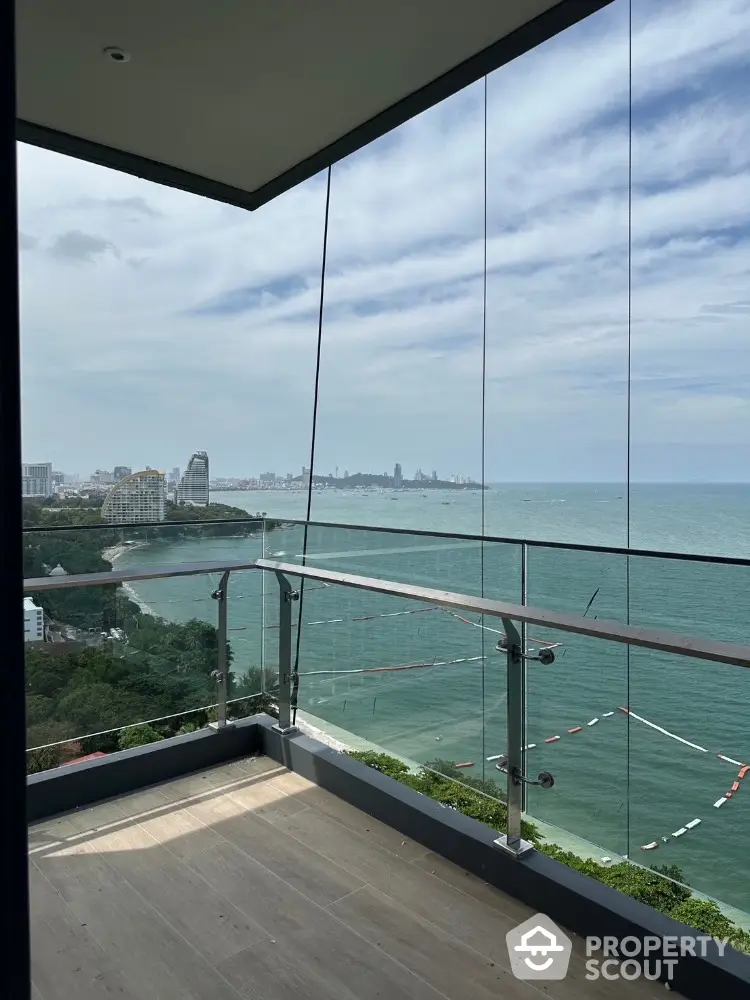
x=252, y=677
x=383, y=671
x=417, y=681
x=140, y=655
x=688, y=746
x=573, y=724
x=423, y=559
x=685, y=713
x=695, y=596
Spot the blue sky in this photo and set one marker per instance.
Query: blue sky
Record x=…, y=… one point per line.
x=155, y=323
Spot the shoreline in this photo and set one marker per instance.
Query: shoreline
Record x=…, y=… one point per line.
x=113, y=553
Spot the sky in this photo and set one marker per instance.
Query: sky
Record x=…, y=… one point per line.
x=156, y=323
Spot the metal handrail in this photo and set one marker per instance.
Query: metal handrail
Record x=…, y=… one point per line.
x=115, y=576
x=420, y=532
x=613, y=631
x=632, y=635
x=132, y=525
x=534, y=543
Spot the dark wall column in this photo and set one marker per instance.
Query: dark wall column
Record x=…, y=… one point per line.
x=14, y=903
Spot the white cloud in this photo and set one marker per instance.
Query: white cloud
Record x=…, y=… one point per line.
x=127, y=356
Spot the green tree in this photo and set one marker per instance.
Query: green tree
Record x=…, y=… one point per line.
x=138, y=736
x=93, y=707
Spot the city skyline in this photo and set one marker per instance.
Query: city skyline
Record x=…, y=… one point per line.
x=102, y=477
x=75, y=479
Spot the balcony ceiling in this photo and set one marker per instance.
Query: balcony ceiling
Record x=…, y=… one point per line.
x=240, y=100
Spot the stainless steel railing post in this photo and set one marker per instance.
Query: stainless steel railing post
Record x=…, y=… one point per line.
x=287, y=596
x=517, y=656
x=222, y=667
x=511, y=841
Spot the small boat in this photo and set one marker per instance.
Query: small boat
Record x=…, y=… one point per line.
x=530, y=746
x=466, y=763
x=498, y=756
x=650, y=847
x=719, y=802
x=606, y=715
x=679, y=833
x=735, y=786
x=692, y=824
x=743, y=770
x=552, y=739
x=575, y=729
x=592, y=723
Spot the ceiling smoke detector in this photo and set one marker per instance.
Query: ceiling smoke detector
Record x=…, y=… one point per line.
x=116, y=54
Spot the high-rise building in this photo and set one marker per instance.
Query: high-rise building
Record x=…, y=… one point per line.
x=103, y=477
x=346, y=473
x=193, y=486
x=121, y=471
x=33, y=621
x=36, y=479
x=398, y=479
x=137, y=498
x=267, y=477
x=434, y=475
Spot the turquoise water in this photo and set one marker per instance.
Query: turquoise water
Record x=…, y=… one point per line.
x=619, y=783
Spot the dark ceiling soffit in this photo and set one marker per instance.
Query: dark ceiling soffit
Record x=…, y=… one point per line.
x=563, y=15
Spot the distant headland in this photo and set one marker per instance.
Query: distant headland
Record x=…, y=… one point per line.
x=368, y=480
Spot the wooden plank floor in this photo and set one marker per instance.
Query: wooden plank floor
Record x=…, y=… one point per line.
x=246, y=881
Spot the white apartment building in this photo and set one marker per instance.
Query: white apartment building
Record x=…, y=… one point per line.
x=36, y=479
x=33, y=621
x=137, y=498
x=193, y=486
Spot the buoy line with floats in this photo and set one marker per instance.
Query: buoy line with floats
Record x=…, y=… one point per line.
x=681, y=831
x=361, y=618
x=543, y=643
x=405, y=666
x=401, y=666
x=501, y=761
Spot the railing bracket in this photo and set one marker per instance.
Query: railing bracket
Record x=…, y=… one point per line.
x=285, y=730
x=544, y=779
x=515, y=848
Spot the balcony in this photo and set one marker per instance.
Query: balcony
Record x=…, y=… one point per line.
x=483, y=680
x=246, y=880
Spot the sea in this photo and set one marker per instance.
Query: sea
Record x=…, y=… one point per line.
x=623, y=780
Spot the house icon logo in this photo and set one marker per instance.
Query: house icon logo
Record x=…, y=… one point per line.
x=538, y=949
